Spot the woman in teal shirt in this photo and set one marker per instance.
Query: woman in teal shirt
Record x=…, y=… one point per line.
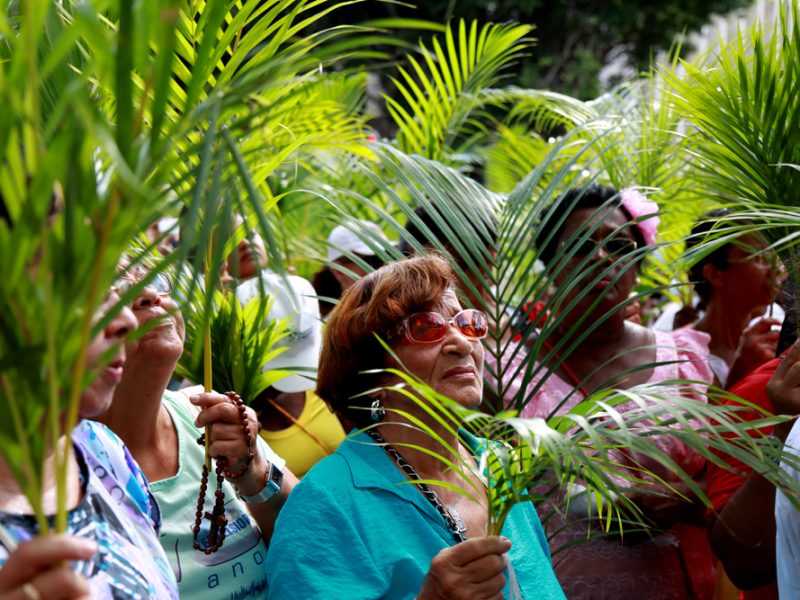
x=354, y=527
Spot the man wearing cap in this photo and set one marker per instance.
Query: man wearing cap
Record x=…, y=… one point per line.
x=349, y=248
x=295, y=422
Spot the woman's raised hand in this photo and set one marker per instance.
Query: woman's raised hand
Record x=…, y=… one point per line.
x=228, y=438
x=39, y=569
x=471, y=570
x=756, y=346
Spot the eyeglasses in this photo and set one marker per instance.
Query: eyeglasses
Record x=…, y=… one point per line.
x=612, y=246
x=758, y=257
x=430, y=327
x=160, y=283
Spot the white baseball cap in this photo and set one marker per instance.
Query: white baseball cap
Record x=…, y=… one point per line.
x=353, y=239
x=299, y=302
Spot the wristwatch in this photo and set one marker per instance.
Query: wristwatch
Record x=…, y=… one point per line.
x=272, y=486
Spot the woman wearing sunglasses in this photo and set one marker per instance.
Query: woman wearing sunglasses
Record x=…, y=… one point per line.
x=592, y=248
x=363, y=523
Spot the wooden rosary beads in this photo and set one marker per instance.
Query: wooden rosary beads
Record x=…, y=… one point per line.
x=216, y=532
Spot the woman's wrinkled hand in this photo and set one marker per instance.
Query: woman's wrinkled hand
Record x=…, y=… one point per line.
x=228, y=438
x=40, y=568
x=471, y=570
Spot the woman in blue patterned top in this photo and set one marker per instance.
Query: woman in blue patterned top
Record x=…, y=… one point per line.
x=112, y=550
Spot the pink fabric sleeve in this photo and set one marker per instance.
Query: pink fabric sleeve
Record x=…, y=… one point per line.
x=685, y=353
x=684, y=356
x=544, y=402
x=693, y=352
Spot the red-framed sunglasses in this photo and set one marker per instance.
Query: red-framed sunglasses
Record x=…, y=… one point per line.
x=430, y=327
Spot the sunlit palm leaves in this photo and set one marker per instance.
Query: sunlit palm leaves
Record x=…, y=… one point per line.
x=744, y=104
x=243, y=340
x=513, y=154
x=73, y=205
x=442, y=113
x=116, y=117
x=606, y=448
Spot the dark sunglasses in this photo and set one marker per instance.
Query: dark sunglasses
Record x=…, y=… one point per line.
x=613, y=246
x=430, y=327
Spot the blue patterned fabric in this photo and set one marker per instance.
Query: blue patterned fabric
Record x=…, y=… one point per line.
x=118, y=512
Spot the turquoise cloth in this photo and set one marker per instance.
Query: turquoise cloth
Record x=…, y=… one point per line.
x=352, y=529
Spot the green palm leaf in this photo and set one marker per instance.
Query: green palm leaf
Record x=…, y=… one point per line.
x=743, y=105
x=604, y=450
x=440, y=113
x=162, y=125
x=243, y=340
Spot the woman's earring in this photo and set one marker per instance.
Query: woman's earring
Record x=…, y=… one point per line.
x=377, y=411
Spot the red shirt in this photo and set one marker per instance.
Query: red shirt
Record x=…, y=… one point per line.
x=722, y=484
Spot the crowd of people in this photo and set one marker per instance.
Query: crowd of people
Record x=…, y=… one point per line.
x=306, y=495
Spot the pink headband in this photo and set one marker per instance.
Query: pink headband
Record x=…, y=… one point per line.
x=638, y=205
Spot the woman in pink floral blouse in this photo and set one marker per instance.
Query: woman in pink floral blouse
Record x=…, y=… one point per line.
x=592, y=251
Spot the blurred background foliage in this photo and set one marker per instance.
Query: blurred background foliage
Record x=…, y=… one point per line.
x=575, y=40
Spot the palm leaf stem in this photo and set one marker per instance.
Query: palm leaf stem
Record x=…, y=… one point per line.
x=73, y=406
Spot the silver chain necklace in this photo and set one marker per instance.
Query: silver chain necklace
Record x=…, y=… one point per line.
x=450, y=515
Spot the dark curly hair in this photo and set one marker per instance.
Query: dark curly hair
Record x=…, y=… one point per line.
x=594, y=196
x=718, y=258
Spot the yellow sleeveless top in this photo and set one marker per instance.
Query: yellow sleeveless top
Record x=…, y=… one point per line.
x=315, y=434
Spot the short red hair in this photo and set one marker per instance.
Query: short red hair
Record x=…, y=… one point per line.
x=374, y=305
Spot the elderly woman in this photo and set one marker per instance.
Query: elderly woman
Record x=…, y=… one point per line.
x=112, y=550
x=354, y=527
x=161, y=428
x=591, y=254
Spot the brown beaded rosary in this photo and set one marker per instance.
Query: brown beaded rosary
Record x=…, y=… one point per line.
x=216, y=533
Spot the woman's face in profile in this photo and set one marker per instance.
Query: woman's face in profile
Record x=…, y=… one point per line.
x=752, y=274
x=453, y=366
x=250, y=255
x=107, y=346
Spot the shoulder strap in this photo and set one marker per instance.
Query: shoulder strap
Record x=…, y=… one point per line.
x=185, y=394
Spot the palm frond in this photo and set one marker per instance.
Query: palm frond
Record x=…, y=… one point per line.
x=604, y=451
x=441, y=93
x=243, y=340
x=743, y=105
x=96, y=145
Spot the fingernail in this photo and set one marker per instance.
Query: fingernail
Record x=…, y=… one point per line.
x=194, y=399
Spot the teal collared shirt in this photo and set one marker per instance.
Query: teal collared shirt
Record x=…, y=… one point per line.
x=355, y=528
